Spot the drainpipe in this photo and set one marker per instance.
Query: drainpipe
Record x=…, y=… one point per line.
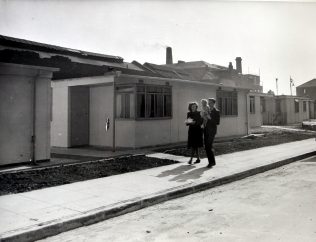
x=117, y=74
x=247, y=113
x=33, y=137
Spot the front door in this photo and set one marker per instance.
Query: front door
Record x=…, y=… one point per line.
x=79, y=116
x=16, y=119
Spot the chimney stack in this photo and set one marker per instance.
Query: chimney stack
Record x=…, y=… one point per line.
x=169, y=56
x=230, y=67
x=238, y=65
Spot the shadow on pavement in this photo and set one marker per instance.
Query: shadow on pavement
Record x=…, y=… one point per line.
x=176, y=171
x=194, y=174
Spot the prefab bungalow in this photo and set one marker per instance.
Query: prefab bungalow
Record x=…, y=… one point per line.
x=284, y=109
x=120, y=110
x=25, y=113
x=259, y=112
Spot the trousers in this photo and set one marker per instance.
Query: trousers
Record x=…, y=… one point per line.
x=208, y=145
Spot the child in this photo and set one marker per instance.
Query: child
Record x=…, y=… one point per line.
x=204, y=112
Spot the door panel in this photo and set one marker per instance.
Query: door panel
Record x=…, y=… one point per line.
x=15, y=120
x=79, y=116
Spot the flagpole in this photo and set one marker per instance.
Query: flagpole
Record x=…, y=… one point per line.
x=291, y=85
x=276, y=83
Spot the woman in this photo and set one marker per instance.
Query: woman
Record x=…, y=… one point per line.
x=195, y=139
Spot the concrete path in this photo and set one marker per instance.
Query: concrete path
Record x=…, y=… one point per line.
x=287, y=128
x=277, y=205
x=40, y=213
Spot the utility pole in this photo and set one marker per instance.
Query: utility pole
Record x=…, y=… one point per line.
x=276, y=83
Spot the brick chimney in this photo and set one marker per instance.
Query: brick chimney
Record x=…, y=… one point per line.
x=238, y=65
x=169, y=56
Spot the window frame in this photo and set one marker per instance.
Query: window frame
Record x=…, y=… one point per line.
x=164, y=94
x=131, y=93
x=252, y=105
x=304, y=106
x=148, y=92
x=227, y=102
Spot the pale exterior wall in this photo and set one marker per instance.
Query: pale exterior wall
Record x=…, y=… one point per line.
x=101, y=92
x=125, y=133
x=101, y=108
x=166, y=131
x=60, y=116
x=235, y=125
x=152, y=132
x=287, y=113
x=255, y=119
x=130, y=133
x=269, y=114
x=43, y=118
x=16, y=112
x=292, y=116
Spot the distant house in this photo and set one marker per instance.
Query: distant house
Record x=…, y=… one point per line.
x=284, y=109
x=307, y=89
x=25, y=113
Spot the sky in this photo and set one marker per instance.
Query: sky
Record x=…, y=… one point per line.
x=275, y=39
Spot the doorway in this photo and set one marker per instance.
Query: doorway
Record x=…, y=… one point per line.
x=79, y=97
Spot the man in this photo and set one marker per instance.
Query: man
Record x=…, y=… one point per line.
x=210, y=131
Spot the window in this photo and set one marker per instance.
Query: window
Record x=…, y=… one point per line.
x=304, y=106
x=153, y=101
x=296, y=105
x=263, y=104
x=304, y=91
x=125, y=102
x=252, y=104
x=227, y=102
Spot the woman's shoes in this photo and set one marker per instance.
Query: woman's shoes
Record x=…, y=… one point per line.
x=197, y=161
x=190, y=162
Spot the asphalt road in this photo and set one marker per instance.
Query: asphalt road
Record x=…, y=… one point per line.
x=279, y=205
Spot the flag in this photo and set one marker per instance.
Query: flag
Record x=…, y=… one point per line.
x=291, y=82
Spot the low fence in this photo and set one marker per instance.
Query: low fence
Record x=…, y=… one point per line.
x=270, y=118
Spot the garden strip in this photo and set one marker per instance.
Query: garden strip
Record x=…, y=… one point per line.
x=268, y=138
x=42, y=177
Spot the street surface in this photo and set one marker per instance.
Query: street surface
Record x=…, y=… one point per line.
x=279, y=205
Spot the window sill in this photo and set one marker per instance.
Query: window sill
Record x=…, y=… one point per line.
x=149, y=119
x=143, y=119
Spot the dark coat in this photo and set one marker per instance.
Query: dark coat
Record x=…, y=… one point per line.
x=195, y=133
x=211, y=124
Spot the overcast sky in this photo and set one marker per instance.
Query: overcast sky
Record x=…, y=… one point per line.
x=279, y=38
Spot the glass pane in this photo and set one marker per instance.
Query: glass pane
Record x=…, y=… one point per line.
x=235, y=106
x=141, y=105
x=167, y=106
x=132, y=105
x=159, y=105
x=127, y=106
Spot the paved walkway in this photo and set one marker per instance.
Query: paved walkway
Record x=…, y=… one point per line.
x=31, y=210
